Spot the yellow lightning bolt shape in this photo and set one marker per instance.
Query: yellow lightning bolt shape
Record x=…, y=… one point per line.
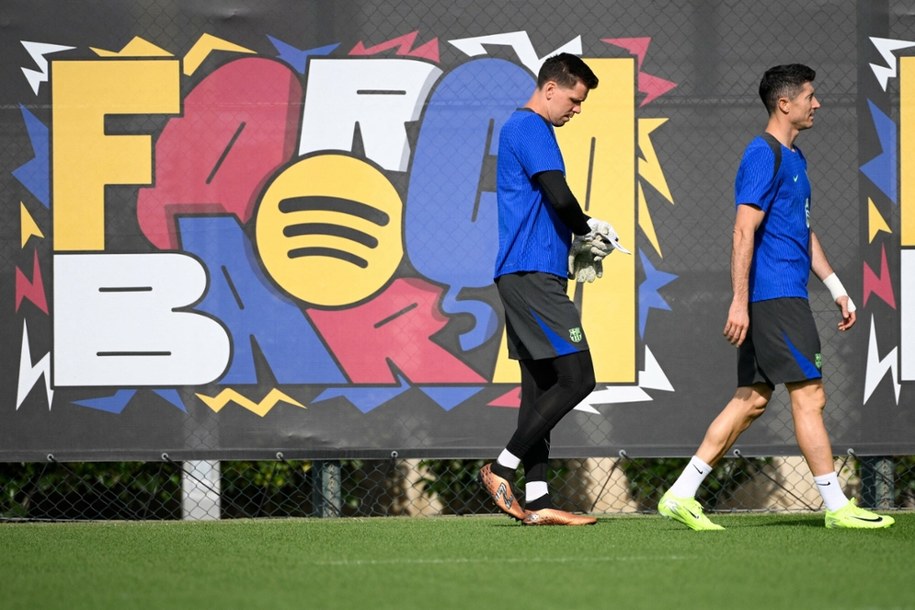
x=137, y=47
x=27, y=226
x=651, y=172
x=261, y=408
x=205, y=45
x=875, y=221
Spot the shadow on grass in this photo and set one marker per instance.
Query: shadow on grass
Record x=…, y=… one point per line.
x=782, y=521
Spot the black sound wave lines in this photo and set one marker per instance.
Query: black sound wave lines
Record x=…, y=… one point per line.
x=347, y=233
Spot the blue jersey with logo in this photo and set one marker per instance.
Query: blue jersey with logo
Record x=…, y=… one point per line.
x=781, y=250
x=531, y=235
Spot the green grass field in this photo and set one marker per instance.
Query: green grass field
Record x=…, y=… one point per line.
x=760, y=561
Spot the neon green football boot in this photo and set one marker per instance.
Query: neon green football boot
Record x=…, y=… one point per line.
x=687, y=511
x=851, y=516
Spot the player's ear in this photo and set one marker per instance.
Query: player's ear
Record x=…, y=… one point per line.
x=549, y=88
x=783, y=104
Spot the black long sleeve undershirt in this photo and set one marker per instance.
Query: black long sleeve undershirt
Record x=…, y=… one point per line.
x=557, y=192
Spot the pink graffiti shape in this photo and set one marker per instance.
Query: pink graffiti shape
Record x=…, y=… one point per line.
x=404, y=46
x=33, y=289
x=239, y=125
x=511, y=399
x=395, y=329
x=652, y=86
x=879, y=285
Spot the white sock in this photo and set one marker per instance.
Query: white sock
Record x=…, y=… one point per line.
x=828, y=486
x=690, y=479
x=534, y=490
x=508, y=459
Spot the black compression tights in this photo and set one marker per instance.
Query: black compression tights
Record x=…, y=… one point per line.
x=549, y=389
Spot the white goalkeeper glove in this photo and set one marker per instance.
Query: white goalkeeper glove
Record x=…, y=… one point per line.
x=585, y=258
x=604, y=230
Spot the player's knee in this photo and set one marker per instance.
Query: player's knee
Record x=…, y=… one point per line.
x=808, y=397
x=812, y=404
x=588, y=381
x=580, y=384
x=759, y=403
x=576, y=374
x=754, y=400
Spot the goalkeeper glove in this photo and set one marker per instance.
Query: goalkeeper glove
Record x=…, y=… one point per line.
x=604, y=231
x=585, y=258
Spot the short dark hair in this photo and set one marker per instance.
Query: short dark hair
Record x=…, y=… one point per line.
x=566, y=70
x=783, y=81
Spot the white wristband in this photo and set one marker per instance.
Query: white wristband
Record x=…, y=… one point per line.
x=836, y=289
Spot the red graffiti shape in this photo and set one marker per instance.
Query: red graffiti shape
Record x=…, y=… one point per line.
x=395, y=328
x=32, y=290
x=238, y=126
x=879, y=285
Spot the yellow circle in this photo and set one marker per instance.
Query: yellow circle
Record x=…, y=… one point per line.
x=329, y=230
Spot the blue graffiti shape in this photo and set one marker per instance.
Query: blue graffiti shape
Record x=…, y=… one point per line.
x=297, y=58
x=451, y=222
x=172, y=397
x=116, y=403
x=366, y=398
x=448, y=397
x=35, y=174
x=649, y=295
x=881, y=170
x=252, y=310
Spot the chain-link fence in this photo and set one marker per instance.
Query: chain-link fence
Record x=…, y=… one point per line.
x=397, y=487
x=697, y=62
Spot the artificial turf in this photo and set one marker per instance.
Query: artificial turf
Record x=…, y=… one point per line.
x=759, y=561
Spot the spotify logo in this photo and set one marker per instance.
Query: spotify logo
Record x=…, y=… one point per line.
x=329, y=230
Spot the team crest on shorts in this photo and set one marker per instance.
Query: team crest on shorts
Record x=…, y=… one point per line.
x=575, y=334
x=818, y=360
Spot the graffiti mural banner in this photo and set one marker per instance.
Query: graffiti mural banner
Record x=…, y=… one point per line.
x=240, y=229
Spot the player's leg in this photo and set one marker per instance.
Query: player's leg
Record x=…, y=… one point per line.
x=749, y=402
x=536, y=472
x=497, y=477
x=543, y=331
x=537, y=376
x=808, y=399
x=572, y=377
x=537, y=499
x=679, y=502
x=742, y=410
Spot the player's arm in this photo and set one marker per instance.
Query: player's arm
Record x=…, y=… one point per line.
x=747, y=221
x=556, y=189
x=820, y=266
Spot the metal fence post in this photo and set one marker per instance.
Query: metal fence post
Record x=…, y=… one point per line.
x=877, y=482
x=327, y=494
x=200, y=490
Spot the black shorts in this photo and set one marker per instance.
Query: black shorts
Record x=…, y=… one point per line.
x=540, y=319
x=782, y=344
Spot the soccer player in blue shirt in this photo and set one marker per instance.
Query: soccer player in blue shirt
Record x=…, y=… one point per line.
x=769, y=320
x=538, y=216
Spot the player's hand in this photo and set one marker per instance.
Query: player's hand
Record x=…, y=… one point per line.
x=735, y=330
x=849, y=317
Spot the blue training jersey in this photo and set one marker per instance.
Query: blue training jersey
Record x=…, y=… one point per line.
x=781, y=250
x=531, y=235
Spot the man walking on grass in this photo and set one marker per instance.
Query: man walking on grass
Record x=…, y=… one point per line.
x=538, y=216
x=769, y=320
